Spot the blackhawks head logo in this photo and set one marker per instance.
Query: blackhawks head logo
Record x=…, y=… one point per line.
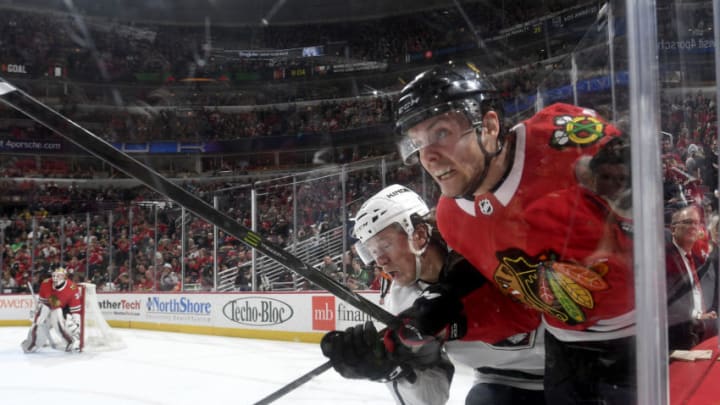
x=563, y=290
x=582, y=130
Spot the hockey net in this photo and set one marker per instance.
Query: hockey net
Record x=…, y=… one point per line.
x=96, y=334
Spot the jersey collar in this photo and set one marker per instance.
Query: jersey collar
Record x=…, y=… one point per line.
x=504, y=193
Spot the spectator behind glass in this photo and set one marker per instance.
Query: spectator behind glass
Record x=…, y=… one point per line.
x=329, y=267
x=243, y=281
x=169, y=281
x=692, y=309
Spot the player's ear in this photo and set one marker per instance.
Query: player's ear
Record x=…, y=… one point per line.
x=420, y=236
x=491, y=123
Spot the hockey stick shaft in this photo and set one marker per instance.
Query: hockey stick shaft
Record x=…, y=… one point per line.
x=34, y=297
x=295, y=383
x=32, y=291
x=96, y=146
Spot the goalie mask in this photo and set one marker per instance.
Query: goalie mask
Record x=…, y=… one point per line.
x=394, y=205
x=59, y=276
x=444, y=89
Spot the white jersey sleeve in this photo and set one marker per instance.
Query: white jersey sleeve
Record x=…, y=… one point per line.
x=432, y=386
x=519, y=361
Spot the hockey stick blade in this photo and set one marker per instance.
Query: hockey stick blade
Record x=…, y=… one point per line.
x=96, y=146
x=295, y=383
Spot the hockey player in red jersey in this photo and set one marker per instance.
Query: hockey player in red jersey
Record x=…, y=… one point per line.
x=51, y=326
x=488, y=332
x=491, y=179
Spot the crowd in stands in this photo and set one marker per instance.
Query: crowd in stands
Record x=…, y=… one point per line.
x=116, y=53
x=95, y=49
x=213, y=125
x=129, y=239
x=121, y=246
x=690, y=149
x=96, y=53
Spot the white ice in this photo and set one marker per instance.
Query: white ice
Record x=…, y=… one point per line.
x=178, y=369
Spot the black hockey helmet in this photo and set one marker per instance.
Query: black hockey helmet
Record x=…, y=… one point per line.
x=440, y=90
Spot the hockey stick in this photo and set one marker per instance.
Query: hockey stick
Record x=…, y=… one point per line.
x=32, y=291
x=35, y=299
x=295, y=383
x=96, y=146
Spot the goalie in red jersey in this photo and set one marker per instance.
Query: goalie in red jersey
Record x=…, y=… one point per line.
x=546, y=254
x=57, y=317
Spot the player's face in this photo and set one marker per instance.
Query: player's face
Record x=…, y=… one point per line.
x=58, y=278
x=454, y=159
x=390, y=250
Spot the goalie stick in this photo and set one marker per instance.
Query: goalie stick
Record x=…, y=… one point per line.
x=35, y=299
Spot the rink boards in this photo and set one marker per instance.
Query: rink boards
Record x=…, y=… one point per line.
x=294, y=316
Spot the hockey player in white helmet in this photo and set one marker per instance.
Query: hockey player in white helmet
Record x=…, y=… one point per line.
x=51, y=326
x=438, y=292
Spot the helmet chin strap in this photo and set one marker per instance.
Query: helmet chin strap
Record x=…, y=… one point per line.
x=419, y=252
x=418, y=267
x=468, y=192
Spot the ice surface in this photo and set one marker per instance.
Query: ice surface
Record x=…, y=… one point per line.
x=177, y=369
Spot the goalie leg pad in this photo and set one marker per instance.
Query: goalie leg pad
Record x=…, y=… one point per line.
x=72, y=325
x=38, y=335
x=68, y=329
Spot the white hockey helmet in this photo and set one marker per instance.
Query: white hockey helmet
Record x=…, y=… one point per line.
x=59, y=276
x=394, y=204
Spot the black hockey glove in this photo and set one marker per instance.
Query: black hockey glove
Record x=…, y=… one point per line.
x=437, y=312
x=408, y=345
x=360, y=353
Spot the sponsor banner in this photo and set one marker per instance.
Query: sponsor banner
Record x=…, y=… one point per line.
x=168, y=147
x=264, y=311
x=120, y=308
x=331, y=313
x=690, y=45
x=172, y=147
x=17, y=145
x=272, y=54
x=347, y=315
x=16, y=307
x=323, y=313
x=359, y=66
x=190, y=309
x=301, y=312
x=258, y=311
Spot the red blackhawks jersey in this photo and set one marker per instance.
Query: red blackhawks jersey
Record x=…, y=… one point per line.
x=512, y=246
x=67, y=296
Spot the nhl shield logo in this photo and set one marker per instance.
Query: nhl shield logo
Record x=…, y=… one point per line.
x=485, y=206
